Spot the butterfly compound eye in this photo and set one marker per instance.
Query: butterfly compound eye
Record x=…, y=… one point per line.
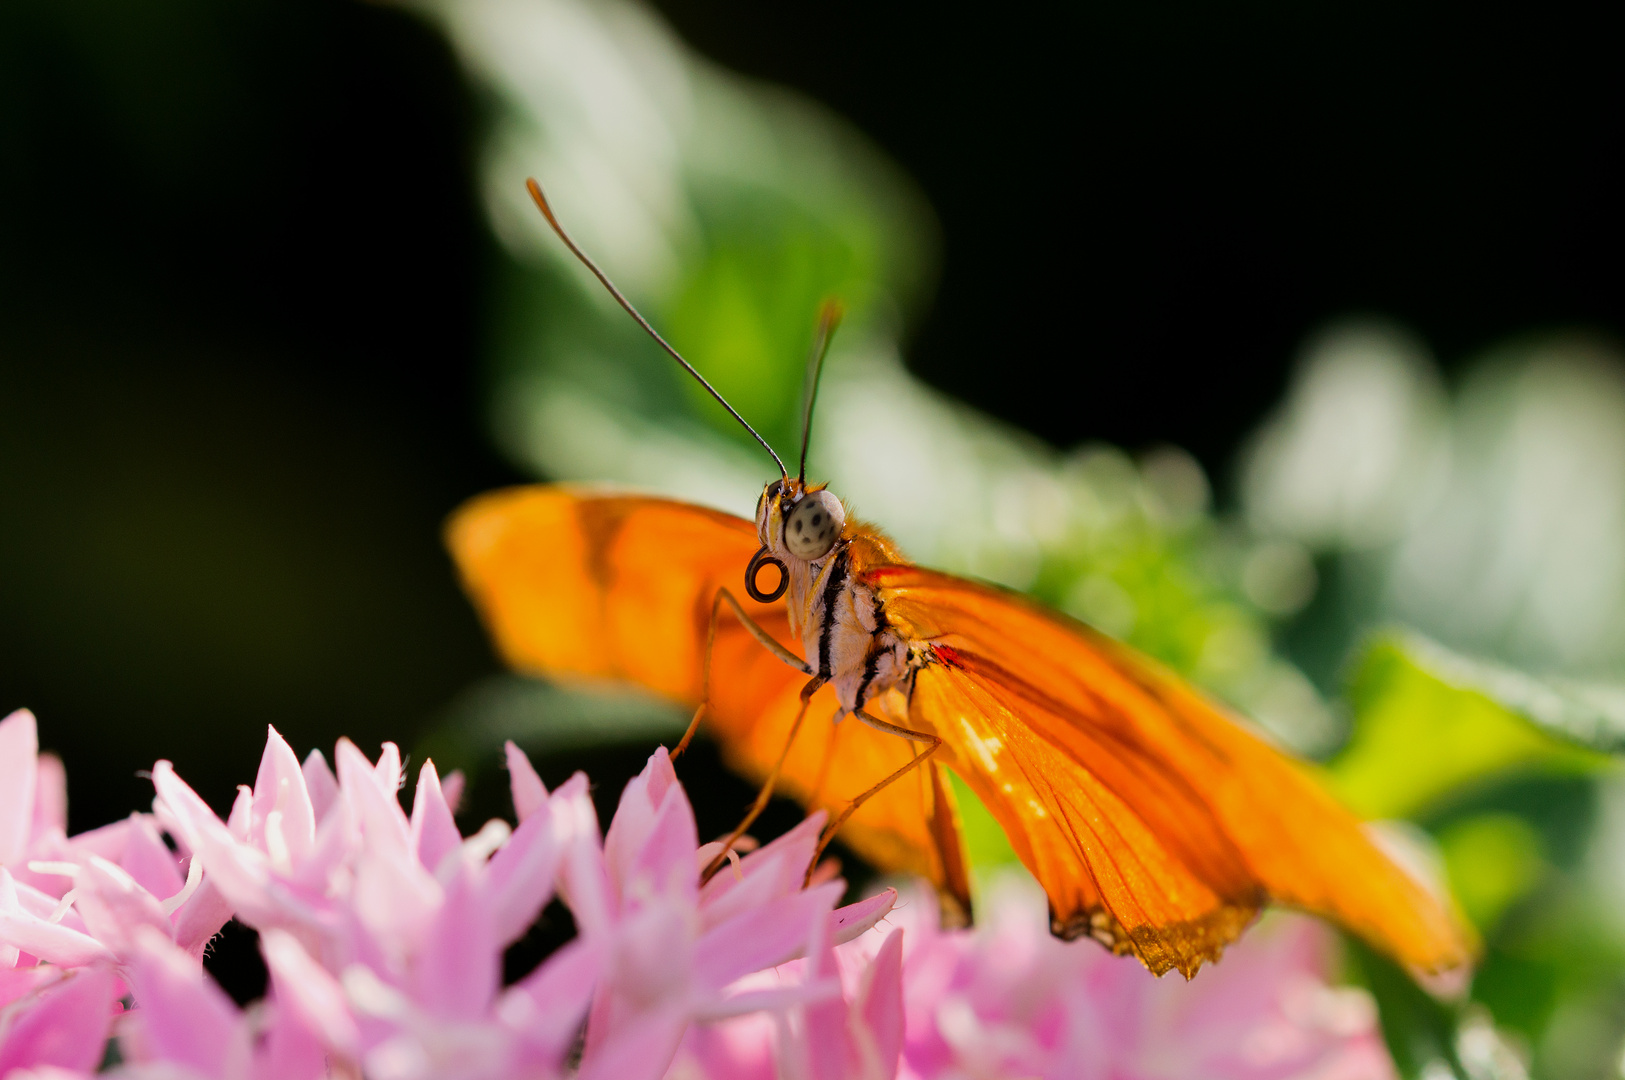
x=814, y=525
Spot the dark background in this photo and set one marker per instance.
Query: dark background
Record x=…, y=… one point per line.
x=1154, y=202
x=241, y=271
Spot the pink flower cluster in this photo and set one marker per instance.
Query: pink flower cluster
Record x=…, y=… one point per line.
x=1009, y=1000
x=383, y=934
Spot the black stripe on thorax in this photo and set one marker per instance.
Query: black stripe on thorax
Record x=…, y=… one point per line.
x=871, y=667
x=832, y=592
x=871, y=663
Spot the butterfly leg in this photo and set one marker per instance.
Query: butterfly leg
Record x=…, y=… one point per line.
x=766, y=793
x=829, y=758
x=891, y=729
x=767, y=640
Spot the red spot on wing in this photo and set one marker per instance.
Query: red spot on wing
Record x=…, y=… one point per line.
x=948, y=655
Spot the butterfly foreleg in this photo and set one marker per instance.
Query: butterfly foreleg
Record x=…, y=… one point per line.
x=891, y=729
x=750, y=624
x=766, y=792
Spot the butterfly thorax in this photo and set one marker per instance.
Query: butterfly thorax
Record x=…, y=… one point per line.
x=845, y=635
x=839, y=618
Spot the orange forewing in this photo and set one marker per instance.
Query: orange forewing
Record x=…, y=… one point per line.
x=580, y=584
x=1155, y=822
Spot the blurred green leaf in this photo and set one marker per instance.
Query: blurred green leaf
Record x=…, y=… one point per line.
x=1522, y=991
x=1492, y=860
x=1589, y=713
x=745, y=310
x=1551, y=972
x=1419, y=1030
x=986, y=847
x=1432, y=1039
x=1429, y=722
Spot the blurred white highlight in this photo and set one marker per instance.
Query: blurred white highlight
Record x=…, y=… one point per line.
x=1524, y=554
x=1355, y=447
x=1497, y=521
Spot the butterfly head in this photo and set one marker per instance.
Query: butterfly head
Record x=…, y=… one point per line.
x=797, y=524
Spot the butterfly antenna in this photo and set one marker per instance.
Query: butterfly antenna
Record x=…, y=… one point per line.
x=620, y=298
x=829, y=317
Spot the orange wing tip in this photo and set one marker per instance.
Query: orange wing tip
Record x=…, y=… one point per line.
x=1450, y=975
x=476, y=527
x=1442, y=962
x=1447, y=979
x=1450, y=985
x=472, y=530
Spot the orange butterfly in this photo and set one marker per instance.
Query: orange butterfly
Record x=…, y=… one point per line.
x=1156, y=824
